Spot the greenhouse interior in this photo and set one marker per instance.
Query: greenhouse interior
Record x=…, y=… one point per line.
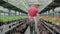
x=14, y=18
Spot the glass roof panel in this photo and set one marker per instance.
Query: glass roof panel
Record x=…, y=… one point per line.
x=57, y=9
x=18, y=3
x=1, y=8
x=24, y=4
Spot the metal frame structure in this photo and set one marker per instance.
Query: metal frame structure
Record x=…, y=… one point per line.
x=10, y=7
x=51, y=6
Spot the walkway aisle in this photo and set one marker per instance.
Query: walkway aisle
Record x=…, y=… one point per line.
x=27, y=31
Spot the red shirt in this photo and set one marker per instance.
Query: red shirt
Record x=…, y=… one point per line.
x=33, y=11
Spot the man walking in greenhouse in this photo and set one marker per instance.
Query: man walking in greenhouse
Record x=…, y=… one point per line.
x=33, y=14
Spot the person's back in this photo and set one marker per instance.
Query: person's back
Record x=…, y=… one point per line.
x=33, y=13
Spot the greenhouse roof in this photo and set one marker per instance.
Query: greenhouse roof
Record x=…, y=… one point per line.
x=9, y=6
x=52, y=5
x=25, y=4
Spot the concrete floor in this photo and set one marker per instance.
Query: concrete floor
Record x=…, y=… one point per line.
x=27, y=31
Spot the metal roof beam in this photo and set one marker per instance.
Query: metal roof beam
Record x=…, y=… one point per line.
x=9, y=6
x=54, y=4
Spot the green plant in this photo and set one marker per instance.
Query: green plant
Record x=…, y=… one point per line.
x=11, y=18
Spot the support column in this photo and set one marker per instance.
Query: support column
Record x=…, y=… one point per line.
x=15, y=13
x=4, y=13
x=53, y=12
x=19, y=13
x=48, y=13
x=9, y=12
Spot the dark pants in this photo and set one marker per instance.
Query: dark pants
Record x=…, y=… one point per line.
x=32, y=28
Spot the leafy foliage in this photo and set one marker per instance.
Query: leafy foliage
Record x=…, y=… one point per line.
x=11, y=18
x=53, y=20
